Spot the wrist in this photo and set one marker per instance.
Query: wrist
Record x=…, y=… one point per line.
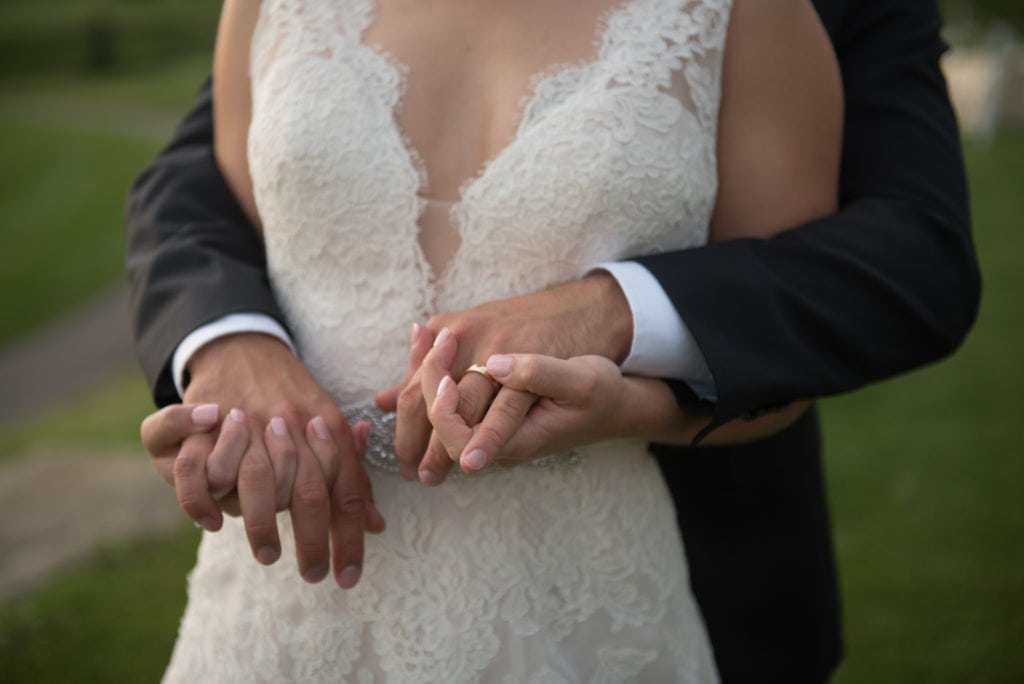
x=608, y=320
x=237, y=348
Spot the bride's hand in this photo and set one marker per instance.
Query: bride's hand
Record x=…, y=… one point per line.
x=585, y=316
x=572, y=403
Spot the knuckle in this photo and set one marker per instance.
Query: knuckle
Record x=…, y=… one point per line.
x=589, y=380
x=528, y=368
x=187, y=466
x=191, y=504
x=351, y=504
x=336, y=422
x=409, y=398
x=310, y=495
x=490, y=438
x=470, y=405
x=310, y=550
x=437, y=321
x=219, y=478
x=260, y=529
x=255, y=470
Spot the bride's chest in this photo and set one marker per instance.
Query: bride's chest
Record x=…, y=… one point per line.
x=468, y=68
x=611, y=155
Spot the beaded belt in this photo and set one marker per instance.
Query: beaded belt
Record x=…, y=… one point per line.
x=380, y=446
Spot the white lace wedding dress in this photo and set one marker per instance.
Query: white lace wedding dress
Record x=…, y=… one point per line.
x=571, y=572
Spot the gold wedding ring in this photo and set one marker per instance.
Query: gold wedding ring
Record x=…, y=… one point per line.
x=482, y=370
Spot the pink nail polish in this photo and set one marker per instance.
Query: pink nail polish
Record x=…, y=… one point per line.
x=320, y=428
x=278, y=427
x=237, y=415
x=205, y=414
x=415, y=332
x=442, y=337
x=499, y=365
x=475, y=459
x=446, y=382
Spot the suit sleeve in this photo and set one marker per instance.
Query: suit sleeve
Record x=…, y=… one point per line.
x=192, y=256
x=887, y=284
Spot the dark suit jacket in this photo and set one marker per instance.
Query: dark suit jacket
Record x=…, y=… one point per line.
x=887, y=284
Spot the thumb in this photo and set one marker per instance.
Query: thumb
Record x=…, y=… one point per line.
x=561, y=380
x=165, y=430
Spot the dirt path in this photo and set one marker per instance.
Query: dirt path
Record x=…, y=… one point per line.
x=59, y=507
x=66, y=357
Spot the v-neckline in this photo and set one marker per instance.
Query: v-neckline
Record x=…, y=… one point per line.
x=602, y=38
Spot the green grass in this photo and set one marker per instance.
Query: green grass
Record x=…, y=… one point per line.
x=926, y=474
x=61, y=199
x=110, y=619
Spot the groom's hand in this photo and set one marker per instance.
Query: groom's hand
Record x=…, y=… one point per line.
x=285, y=445
x=585, y=316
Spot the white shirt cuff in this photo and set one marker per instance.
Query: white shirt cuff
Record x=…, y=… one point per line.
x=231, y=324
x=662, y=344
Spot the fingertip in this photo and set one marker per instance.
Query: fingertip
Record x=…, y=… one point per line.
x=429, y=478
x=443, y=388
x=211, y=523
x=374, y=520
x=267, y=555
x=349, y=576
x=387, y=400
x=314, y=573
x=500, y=365
x=205, y=415
x=442, y=337
x=473, y=461
x=237, y=415
x=278, y=427
x=360, y=435
x=319, y=427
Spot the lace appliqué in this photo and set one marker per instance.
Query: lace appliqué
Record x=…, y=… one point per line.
x=562, y=574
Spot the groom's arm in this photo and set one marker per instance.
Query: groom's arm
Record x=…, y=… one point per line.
x=192, y=256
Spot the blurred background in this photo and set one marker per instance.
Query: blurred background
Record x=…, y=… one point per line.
x=926, y=472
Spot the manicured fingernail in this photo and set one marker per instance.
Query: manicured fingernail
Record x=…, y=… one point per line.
x=442, y=337
x=415, y=332
x=237, y=415
x=499, y=365
x=267, y=555
x=320, y=428
x=205, y=414
x=278, y=427
x=446, y=383
x=475, y=459
x=349, y=576
x=209, y=524
x=314, y=573
x=429, y=478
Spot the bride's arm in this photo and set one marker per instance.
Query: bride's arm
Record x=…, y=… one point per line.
x=232, y=100
x=779, y=146
x=779, y=143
